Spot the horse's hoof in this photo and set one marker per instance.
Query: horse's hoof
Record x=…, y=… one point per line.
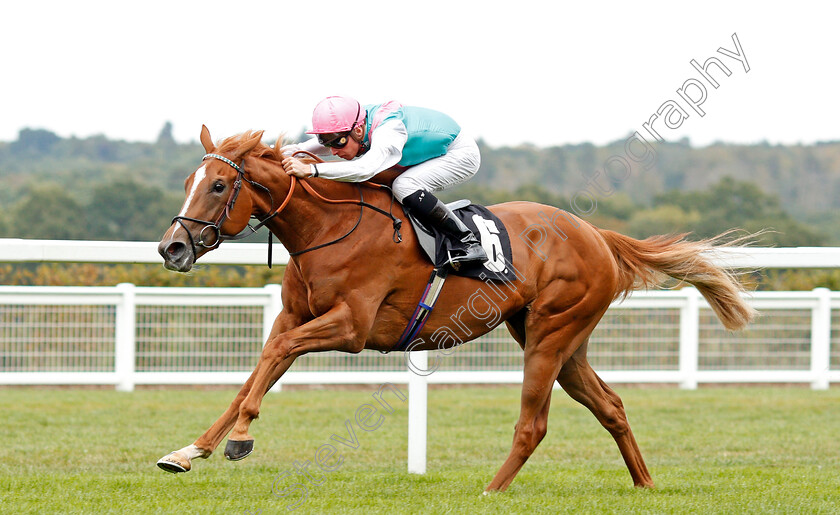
x=174, y=462
x=236, y=450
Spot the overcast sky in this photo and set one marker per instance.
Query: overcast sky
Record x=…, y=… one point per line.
x=545, y=72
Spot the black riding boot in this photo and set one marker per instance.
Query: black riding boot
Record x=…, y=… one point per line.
x=432, y=211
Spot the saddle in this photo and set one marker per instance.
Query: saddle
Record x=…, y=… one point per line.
x=494, y=238
x=488, y=229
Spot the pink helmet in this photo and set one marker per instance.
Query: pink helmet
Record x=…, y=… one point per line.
x=336, y=114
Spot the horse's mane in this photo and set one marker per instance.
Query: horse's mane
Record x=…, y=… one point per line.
x=232, y=143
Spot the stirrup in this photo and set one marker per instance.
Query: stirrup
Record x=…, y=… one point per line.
x=455, y=261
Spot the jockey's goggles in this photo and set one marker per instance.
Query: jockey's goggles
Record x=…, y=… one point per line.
x=334, y=140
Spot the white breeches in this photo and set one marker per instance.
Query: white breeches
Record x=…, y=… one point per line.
x=460, y=163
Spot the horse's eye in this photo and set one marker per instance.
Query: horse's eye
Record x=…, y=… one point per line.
x=219, y=187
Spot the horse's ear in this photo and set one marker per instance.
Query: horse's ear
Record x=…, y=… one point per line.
x=281, y=140
x=206, y=140
x=248, y=145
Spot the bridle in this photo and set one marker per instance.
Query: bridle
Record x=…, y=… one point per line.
x=216, y=226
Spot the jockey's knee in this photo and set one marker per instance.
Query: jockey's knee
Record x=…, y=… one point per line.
x=404, y=186
x=420, y=202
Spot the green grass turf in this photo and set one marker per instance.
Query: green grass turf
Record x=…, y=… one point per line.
x=714, y=450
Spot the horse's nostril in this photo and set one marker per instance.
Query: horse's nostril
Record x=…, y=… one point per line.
x=176, y=255
x=172, y=251
x=175, y=249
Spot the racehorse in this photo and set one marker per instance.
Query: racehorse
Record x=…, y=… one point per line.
x=350, y=285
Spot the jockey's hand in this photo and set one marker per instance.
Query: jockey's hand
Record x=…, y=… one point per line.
x=295, y=167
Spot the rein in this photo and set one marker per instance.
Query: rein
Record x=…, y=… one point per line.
x=397, y=237
x=215, y=226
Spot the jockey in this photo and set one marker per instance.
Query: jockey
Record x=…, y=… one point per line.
x=428, y=143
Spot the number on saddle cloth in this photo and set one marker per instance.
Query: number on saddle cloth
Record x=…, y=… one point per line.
x=488, y=229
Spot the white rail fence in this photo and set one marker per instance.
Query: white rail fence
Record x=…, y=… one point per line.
x=55, y=251
x=127, y=335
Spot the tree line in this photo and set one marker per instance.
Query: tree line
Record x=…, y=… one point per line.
x=97, y=188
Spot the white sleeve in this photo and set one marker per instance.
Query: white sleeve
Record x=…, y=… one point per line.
x=385, y=151
x=310, y=145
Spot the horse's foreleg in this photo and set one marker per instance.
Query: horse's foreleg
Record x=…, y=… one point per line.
x=335, y=330
x=583, y=385
x=203, y=447
x=238, y=447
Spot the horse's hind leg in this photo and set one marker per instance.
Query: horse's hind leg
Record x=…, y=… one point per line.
x=532, y=424
x=550, y=340
x=583, y=385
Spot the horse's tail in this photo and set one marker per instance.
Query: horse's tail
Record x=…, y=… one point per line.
x=683, y=260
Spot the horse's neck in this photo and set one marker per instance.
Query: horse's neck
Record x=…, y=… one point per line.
x=305, y=219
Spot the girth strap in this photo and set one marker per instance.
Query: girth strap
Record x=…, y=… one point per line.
x=423, y=310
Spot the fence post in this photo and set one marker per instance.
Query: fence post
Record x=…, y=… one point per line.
x=270, y=311
x=124, y=345
x=821, y=339
x=417, y=412
x=689, y=338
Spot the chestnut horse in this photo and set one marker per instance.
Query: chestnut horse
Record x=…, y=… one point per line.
x=360, y=292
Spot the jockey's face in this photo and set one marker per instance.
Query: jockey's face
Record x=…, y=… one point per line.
x=351, y=149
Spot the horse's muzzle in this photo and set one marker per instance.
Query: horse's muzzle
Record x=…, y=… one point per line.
x=177, y=255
